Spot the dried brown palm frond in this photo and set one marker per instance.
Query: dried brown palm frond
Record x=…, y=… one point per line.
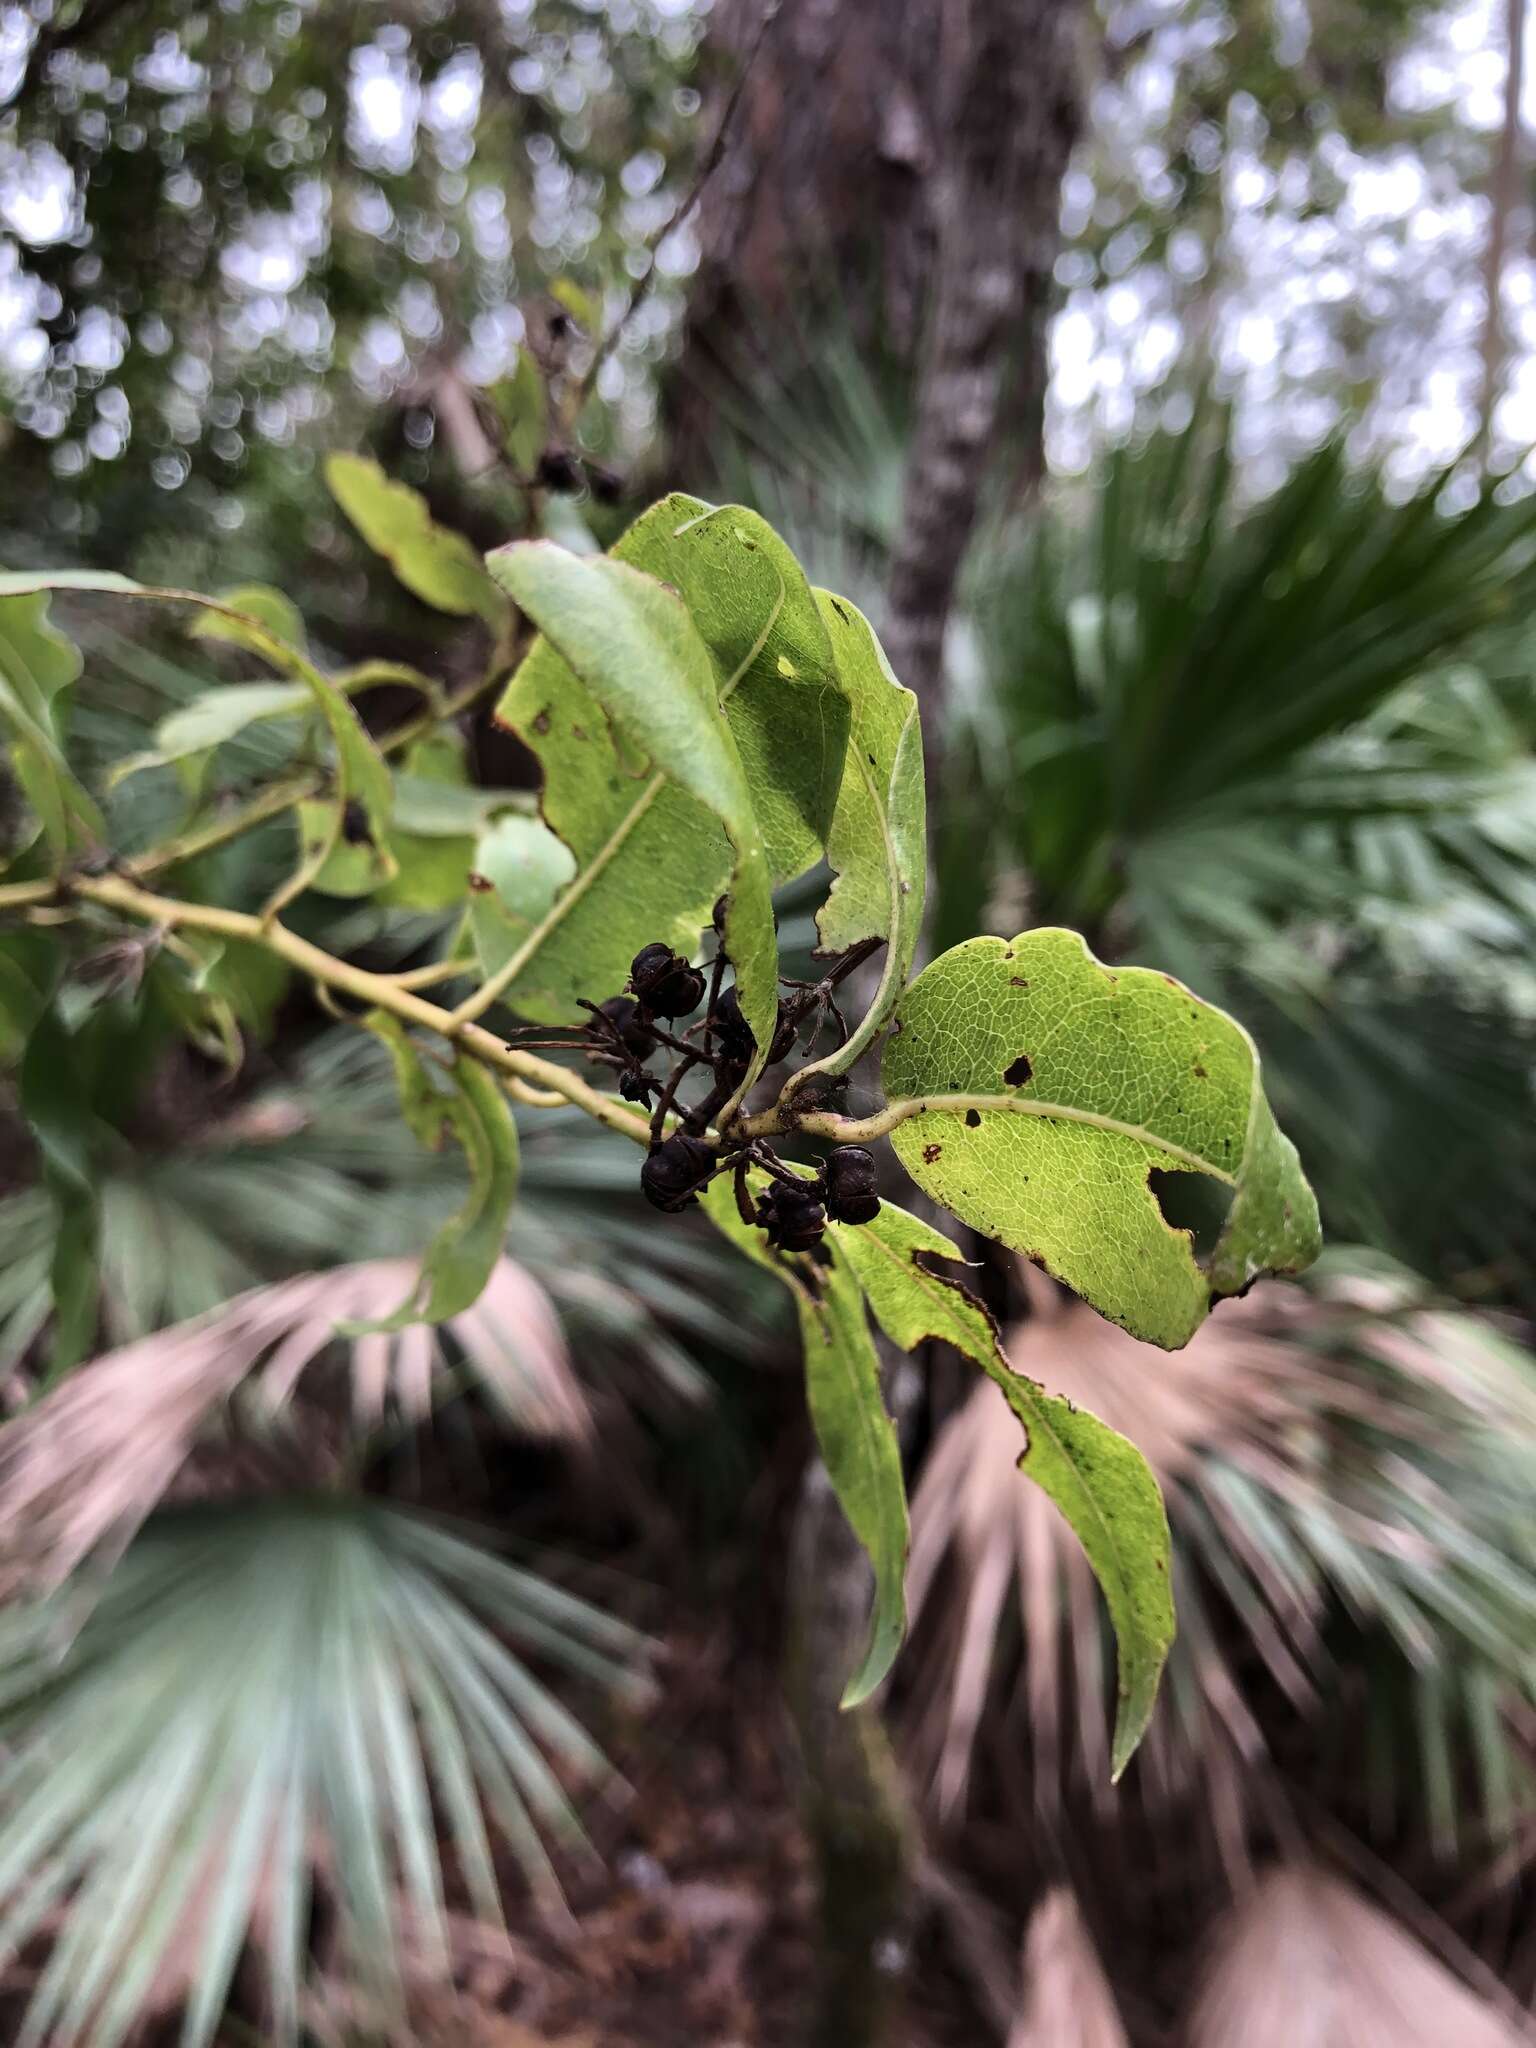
x=1340, y=1447
x=80, y=1470
x=1067, y=1999
x=1304, y=1960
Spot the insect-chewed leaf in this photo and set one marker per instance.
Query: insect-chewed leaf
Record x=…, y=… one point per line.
x=1100, y=1482
x=459, y=1260
x=877, y=845
x=854, y=1434
x=435, y=564
x=37, y=662
x=1054, y=1088
x=635, y=651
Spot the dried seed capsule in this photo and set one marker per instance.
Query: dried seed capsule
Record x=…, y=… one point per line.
x=675, y=1170
x=664, y=982
x=792, y=1216
x=636, y=1036
x=558, y=470
x=849, y=1174
x=733, y=1034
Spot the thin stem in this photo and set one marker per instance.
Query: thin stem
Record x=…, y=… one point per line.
x=114, y=892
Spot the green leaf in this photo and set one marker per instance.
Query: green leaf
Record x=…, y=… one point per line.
x=877, y=845
x=436, y=565
x=522, y=406
x=652, y=860
x=858, y=1445
x=855, y=1435
x=579, y=303
x=784, y=698
x=216, y=716
x=361, y=776
x=55, y=1099
x=277, y=615
x=458, y=1261
x=518, y=870
x=37, y=663
x=436, y=814
x=632, y=644
x=1055, y=1087
x=1101, y=1483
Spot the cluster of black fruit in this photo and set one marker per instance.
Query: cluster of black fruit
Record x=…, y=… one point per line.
x=626, y=1031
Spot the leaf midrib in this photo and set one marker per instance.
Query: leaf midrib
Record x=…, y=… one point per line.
x=559, y=910
x=921, y=1105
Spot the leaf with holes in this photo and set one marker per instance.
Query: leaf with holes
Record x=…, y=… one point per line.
x=434, y=563
x=632, y=646
x=878, y=842
x=1101, y=1483
x=1053, y=1089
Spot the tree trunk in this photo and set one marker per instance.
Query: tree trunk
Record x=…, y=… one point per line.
x=895, y=165
x=1010, y=114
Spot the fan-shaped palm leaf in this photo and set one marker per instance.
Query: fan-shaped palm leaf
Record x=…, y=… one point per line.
x=1320, y=1453
x=262, y=1690
x=1304, y=1961
x=83, y=1467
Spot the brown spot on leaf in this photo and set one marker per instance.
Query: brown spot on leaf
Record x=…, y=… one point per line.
x=1200, y=1073
x=1017, y=981
x=931, y=1152
x=480, y=883
x=1020, y=1072
x=541, y=723
x=578, y=732
x=973, y=1118
x=841, y=611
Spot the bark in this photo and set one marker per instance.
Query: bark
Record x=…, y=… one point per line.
x=856, y=1807
x=1010, y=110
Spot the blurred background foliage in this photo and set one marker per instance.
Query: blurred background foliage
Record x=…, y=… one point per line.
x=1237, y=678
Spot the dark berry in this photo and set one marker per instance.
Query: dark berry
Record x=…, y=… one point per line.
x=629, y=1028
x=733, y=1034
x=792, y=1216
x=664, y=983
x=675, y=1170
x=558, y=470
x=849, y=1177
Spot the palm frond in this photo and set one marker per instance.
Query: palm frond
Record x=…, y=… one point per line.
x=1348, y=1452
x=266, y=1699
x=1067, y=1999
x=1304, y=1957
x=81, y=1469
